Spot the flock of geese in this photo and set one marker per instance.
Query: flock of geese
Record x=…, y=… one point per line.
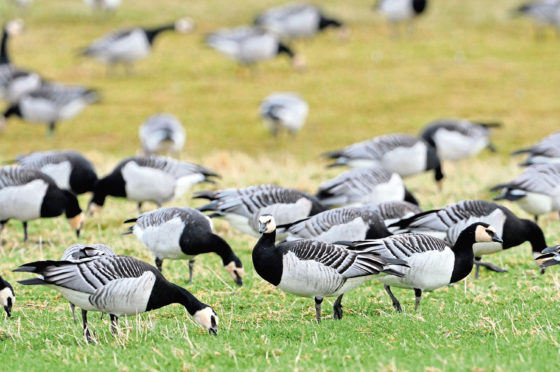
x=360, y=225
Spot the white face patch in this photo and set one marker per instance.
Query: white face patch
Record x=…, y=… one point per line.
x=4, y=295
x=484, y=234
x=207, y=318
x=232, y=270
x=269, y=223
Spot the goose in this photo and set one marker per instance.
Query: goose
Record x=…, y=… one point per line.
x=392, y=211
x=399, y=11
x=127, y=46
x=432, y=262
x=183, y=233
x=294, y=21
x=340, y=224
x=359, y=186
x=542, y=12
x=249, y=45
x=50, y=103
x=536, y=190
x=106, y=5
x=550, y=256
x=446, y=223
x=117, y=285
x=310, y=268
x=545, y=151
x=135, y=178
x=456, y=139
x=77, y=252
x=69, y=169
x=27, y=194
x=162, y=133
x=403, y=154
x=7, y=296
x=284, y=110
x=242, y=207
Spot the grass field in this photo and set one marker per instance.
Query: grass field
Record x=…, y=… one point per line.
x=465, y=59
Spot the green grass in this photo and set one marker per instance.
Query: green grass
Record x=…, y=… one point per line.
x=465, y=59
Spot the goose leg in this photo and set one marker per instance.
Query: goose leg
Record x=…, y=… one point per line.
x=73, y=309
x=139, y=207
x=159, y=264
x=418, y=297
x=87, y=333
x=396, y=303
x=318, y=302
x=536, y=219
x=2, y=224
x=337, y=308
x=492, y=267
x=191, y=266
x=114, y=324
x=50, y=131
x=477, y=267
x=24, y=231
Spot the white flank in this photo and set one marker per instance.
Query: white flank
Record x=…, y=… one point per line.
x=147, y=184
x=162, y=240
x=60, y=172
x=452, y=145
x=22, y=202
x=406, y=161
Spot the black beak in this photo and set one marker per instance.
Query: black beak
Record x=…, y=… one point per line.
x=78, y=233
x=262, y=228
x=213, y=331
x=8, y=311
x=497, y=239
x=238, y=281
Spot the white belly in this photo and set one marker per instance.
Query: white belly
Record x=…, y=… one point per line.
x=163, y=240
x=60, y=173
x=396, y=10
x=536, y=204
x=452, y=145
x=406, y=161
x=147, y=184
x=24, y=202
x=79, y=299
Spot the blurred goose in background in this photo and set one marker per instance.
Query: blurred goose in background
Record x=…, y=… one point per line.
x=284, y=110
x=543, y=13
x=550, y=256
x=395, y=210
x=50, y=104
x=107, y=5
x=403, y=154
x=249, y=45
x=117, y=285
x=294, y=21
x=536, y=190
x=7, y=296
x=23, y=3
x=130, y=45
x=69, y=169
x=400, y=11
x=27, y=194
x=457, y=139
x=157, y=179
x=183, y=233
x=545, y=151
x=310, y=268
x=242, y=207
x=446, y=223
x=162, y=133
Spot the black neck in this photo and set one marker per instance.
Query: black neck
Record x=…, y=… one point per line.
x=267, y=260
x=4, y=58
x=165, y=293
x=112, y=184
x=54, y=202
x=12, y=110
x=211, y=243
x=328, y=22
x=152, y=33
x=518, y=231
x=283, y=49
x=464, y=255
x=72, y=206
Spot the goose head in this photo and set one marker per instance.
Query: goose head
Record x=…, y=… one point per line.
x=14, y=27
x=235, y=269
x=485, y=233
x=184, y=25
x=7, y=300
x=267, y=224
x=207, y=318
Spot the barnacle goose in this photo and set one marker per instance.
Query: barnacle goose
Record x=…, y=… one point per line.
x=117, y=285
x=51, y=103
x=393, y=211
x=27, y=194
x=183, y=233
x=249, y=45
x=542, y=12
x=69, y=169
x=536, y=190
x=340, y=224
x=399, y=153
x=446, y=223
x=397, y=11
x=284, y=110
x=358, y=186
x=545, y=151
x=130, y=45
x=293, y=21
x=310, y=268
x=149, y=178
x=107, y=5
x=242, y=207
x=162, y=133
x=432, y=263
x=550, y=256
x=456, y=139
x=7, y=296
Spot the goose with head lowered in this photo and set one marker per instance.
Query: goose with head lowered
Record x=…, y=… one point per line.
x=545, y=151
x=117, y=285
x=403, y=154
x=183, y=233
x=550, y=256
x=447, y=223
x=105, y=5
x=162, y=133
x=27, y=194
x=400, y=11
x=157, y=179
x=7, y=296
x=309, y=268
x=432, y=262
x=284, y=110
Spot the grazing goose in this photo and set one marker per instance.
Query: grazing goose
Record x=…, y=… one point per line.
x=400, y=11
x=27, y=194
x=340, y=224
x=242, y=207
x=398, y=153
x=284, y=110
x=432, y=262
x=79, y=252
x=536, y=190
x=106, y=5
x=310, y=268
x=542, y=12
x=162, y=133
x=130, y=45
x=446, y=223
x=393, y=211
x=359, y=186
x=7, y=296
x=69, y=169
x=550, y=257
x=183, y=233
x=51, y=103
x=249, y=45
x=457, y=139
x=149, y=178
x=117, y=285
x=294, y=21
x=545, y=151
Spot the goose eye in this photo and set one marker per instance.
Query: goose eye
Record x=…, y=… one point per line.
x=490, y=232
